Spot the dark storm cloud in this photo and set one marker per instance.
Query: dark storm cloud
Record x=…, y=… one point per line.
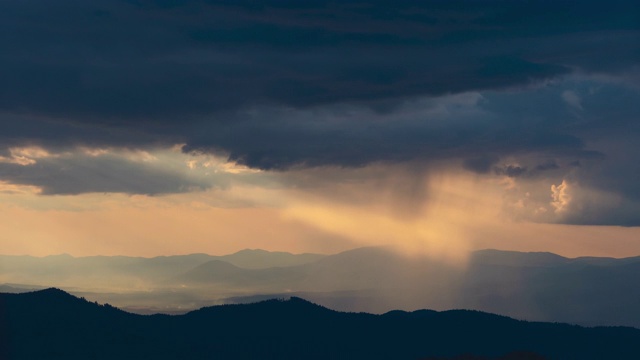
x=127, y=61
x=22, y=130
x=134, y=73
x=478, y=128
x=512, y=171
x=282, y=84
x=480, y=165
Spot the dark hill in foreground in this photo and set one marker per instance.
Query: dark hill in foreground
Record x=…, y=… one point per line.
x=51, y=324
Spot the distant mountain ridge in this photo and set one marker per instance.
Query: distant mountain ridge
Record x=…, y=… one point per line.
x=532, y=286
x=52, y=324
x=64, y=269
x=515, y=258
x=503, y=257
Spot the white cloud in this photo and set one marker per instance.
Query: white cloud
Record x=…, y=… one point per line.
x=27, y=155
x=560, y=197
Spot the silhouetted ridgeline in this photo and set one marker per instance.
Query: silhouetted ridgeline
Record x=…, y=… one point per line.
x=51, y=324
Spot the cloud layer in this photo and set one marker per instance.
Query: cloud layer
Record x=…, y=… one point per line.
x=532, y=92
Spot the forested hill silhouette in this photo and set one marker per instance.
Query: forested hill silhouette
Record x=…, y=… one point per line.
x=51, y=324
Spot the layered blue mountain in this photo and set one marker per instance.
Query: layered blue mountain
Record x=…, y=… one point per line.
x=531, y=286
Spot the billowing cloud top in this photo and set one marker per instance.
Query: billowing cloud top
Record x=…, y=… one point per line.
x=525, y=90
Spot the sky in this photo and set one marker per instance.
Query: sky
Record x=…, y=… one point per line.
x=165, y=127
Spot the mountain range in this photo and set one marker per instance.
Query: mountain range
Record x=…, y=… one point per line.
x=532, y=286
x=52, y=324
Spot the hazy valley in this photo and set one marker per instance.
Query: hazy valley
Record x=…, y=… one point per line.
x=532, y=286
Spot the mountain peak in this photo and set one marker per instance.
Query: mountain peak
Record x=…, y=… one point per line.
x=52, y=292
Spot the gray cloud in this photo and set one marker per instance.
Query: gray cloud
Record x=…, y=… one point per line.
x=480, y=165
x=478, y=127
x=76, y=174
x=512, y=171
